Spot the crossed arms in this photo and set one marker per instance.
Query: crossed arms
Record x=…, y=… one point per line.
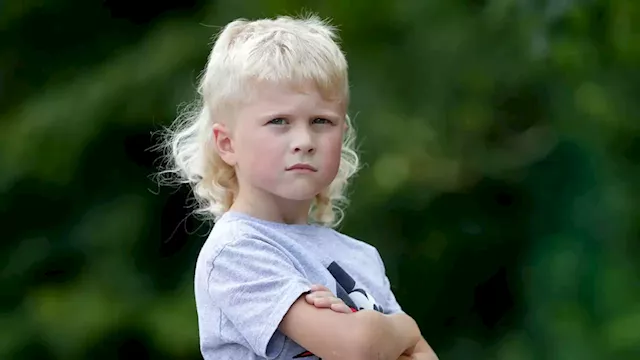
x=363, y=335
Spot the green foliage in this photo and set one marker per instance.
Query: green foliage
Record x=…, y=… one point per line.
x=502, y=147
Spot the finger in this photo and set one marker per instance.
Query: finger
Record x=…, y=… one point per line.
x=322, y=303
x=327, y=301
x=316, y=299
x=311, y=296
x=320, y=294
x=341, y=308
x=319, y=287
x=309, y=299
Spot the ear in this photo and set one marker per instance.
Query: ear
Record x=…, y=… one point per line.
x=224, y=144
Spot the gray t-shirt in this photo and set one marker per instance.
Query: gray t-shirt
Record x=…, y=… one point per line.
x=250, y=271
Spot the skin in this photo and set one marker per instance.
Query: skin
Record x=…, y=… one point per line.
x=322, y=298
x=282, y=126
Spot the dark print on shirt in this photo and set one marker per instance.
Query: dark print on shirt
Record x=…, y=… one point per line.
x=348, y=291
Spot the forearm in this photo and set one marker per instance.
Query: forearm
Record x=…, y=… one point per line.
x=423, y=351
x=388, y=336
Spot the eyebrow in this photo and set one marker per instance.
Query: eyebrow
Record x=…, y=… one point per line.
x=276, y=115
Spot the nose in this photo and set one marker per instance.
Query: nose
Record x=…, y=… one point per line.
x=303, y=142
x=307, y=148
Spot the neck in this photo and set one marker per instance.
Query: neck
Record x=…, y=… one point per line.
x=269, y=207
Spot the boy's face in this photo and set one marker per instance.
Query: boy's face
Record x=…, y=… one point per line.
x=287, y=141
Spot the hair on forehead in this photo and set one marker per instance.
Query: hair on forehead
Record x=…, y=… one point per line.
x=292, y=52
x=284, y=50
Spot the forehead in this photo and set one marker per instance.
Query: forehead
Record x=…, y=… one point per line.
x=306, y=96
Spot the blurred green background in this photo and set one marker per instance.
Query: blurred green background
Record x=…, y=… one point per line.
x=502, y=145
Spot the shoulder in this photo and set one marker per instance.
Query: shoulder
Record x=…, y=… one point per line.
x=236, y=231
x=356, y=244
x=237, y=253
x=238, y=242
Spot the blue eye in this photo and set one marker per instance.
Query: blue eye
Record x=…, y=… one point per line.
x=322, y=121
x=277, y=121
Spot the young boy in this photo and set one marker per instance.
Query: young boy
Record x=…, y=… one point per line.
x=269, y=153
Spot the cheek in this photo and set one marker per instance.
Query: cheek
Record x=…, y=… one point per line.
x=333, y=146
x=260, y=154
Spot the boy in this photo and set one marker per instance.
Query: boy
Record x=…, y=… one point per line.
x=269, y=153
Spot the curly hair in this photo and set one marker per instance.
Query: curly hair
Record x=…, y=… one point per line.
x=283, y=49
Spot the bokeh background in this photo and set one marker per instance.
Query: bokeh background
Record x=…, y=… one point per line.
x=502, y=144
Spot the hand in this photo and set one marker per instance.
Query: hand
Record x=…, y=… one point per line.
x=321, y=297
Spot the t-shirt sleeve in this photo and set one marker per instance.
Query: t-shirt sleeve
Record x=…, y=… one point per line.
x=391, y=305
x=254, y=283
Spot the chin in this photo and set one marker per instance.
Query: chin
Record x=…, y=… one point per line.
x=299, y=196
x=299, y=193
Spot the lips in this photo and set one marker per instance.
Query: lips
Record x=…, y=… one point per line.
x=305, y=167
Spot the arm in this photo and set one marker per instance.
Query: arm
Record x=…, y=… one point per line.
x=423, y=351
x=362, y=335
x=321, y=297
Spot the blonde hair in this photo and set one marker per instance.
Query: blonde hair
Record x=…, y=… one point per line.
x=284, y=50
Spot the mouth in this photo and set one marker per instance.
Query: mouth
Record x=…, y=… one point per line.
x=302, y=167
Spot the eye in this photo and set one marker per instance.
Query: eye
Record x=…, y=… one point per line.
x=322, y=121
x=277, y=121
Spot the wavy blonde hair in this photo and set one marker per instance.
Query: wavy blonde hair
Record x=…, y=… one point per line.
x=284, y=49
